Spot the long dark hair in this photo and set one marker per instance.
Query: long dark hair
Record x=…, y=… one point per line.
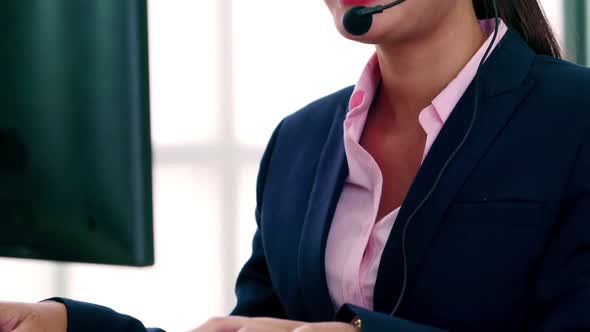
x=527, y=17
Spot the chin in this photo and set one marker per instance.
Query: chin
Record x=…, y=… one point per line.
x=386, y=29
x=377, y=35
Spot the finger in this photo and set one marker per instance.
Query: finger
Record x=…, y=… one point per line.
x=27, y=326
x=8, y=324
x=222, y=324
x=11, y=315
x=235, y=323
x=12, y=310
x=288, y=325
x=326, y=327
x=254, y=327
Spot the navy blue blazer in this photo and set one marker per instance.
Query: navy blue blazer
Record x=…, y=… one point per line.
x=503, y=244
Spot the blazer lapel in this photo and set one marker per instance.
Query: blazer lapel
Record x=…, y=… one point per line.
x=503, y=85
x=329, y=179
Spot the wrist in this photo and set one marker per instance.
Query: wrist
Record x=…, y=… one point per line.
x=53, y=315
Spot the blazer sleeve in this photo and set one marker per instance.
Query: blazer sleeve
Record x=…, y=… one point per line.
x=254, y=290
x=87, y=317
x=563, y=283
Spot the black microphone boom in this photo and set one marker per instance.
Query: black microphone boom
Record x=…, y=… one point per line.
x=358, y=20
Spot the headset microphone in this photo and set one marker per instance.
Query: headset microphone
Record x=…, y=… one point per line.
x=358, y=20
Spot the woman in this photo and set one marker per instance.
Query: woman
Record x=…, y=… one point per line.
x=400, y=205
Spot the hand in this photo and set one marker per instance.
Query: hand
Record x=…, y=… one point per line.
x=327, y=327
x=245, y=324
x=29, y=317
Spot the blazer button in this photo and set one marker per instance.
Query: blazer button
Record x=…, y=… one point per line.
x=357, y=322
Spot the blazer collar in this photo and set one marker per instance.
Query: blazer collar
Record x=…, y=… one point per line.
x=503, y=85
x=329, y=179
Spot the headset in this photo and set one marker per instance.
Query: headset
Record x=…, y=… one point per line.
x=357, y=21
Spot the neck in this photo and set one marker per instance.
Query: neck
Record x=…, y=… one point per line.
x=413, y=73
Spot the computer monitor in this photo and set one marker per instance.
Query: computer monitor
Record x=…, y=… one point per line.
x=75, y=152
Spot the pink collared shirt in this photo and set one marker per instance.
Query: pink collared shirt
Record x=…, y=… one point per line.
x=356, y=241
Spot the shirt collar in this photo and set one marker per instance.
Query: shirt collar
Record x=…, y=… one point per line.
x=446, y=101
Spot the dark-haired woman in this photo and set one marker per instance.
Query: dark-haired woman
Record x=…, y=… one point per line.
x=427, y=197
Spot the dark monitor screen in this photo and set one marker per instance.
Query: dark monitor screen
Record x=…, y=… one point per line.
x=75, y=152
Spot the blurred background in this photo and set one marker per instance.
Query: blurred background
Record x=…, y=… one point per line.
x=223, y=74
